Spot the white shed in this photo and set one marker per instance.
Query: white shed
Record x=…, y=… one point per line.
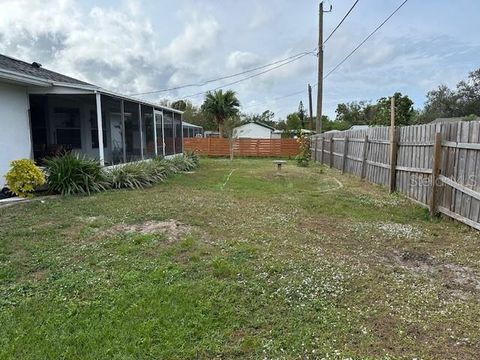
x=253, y=130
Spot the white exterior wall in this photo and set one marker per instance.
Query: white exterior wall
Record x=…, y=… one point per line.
x=253, y=131
x=15, y=138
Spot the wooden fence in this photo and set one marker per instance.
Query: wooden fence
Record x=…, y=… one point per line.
x=436, y=165
x=242, y=147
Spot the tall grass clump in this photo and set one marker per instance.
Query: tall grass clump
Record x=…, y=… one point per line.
x=75, y=174
x=136, y=175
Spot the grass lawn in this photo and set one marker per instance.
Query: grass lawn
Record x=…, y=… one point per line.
x=310, y=264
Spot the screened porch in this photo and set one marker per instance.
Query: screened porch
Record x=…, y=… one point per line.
x=111, y=129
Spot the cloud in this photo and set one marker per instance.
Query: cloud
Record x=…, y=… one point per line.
x=241, y=60
x=137, y=46
x=116, y=48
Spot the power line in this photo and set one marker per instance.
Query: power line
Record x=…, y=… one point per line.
x=344, y=59
x=341, y=21
x=365, y=40
x=301, y=54
x=249, y=77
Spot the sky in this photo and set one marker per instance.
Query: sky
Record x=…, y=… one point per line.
x=135, y=46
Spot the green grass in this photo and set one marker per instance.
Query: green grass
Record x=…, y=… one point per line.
x=289, y=266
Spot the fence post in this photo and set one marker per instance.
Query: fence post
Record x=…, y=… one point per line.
x=345, y=151
x=364, y=158
x=437, y=157
x=331, y=151
x=323, y=149
x=208, y=148
x=393, y=147
x=316, y=145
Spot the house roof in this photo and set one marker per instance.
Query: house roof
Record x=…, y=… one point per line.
x=35, y=74
x=258, y=123
x=359, y=127
x=451, y=119
x=36, y=70
x=187, y=124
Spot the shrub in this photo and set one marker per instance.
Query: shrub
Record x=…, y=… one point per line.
x=75, y=174
x=193, y=156
x=182, y=163
x=24, y=177
x=136, y=175
x=303, y=157
x=169, y=167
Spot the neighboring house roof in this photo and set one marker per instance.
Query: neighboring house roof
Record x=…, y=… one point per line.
x=306, y=131
x=35, y=69
x=451, y=119
x=184, y=123
x=257, y=123
x=359, y=127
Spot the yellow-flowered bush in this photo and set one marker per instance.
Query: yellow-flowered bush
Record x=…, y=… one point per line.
x=303, y=157
x=24, y=177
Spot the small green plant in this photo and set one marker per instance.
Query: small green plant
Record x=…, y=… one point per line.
x=75, y=174
x=303, y=157
x=193, y=156
x=136, y=175
x=24, y=177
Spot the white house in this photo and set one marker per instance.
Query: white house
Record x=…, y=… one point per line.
x=253, y=130
x=44, y=113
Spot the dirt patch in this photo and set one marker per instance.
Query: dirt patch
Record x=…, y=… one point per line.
x=457, y=279
x=172, y=229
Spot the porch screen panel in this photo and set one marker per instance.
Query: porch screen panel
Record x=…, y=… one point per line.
x=38, y=123
x=114, y=153
x=169, y=132
x=177, y=120
x=148, y=132
x=132, y=132
x=158, y=120
x=67, y=128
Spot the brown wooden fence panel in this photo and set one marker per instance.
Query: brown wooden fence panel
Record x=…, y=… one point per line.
x=243, y=147
x=458, y=190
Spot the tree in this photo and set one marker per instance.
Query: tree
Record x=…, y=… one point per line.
x=441, y=102
x=355, y=113
x=365, y=113
x=468, y=93
x=464, y=101
x=266, y=118
x=293, y=122
x=221, y=105
x=301, y=114
x=194, y=115
x=281, y=125
x=179, y=105
x=404, y=113
x=334, y=124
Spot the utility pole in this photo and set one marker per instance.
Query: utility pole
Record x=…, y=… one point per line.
x=310, y=110
x=318, y=126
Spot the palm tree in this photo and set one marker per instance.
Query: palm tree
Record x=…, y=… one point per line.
x=221, y=105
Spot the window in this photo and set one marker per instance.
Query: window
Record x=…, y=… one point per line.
x=169, y=132
x=177, y=122
x=158, y=120
x=67, y=127
x=148, y=132
x=94, y=129
x=133, y=142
